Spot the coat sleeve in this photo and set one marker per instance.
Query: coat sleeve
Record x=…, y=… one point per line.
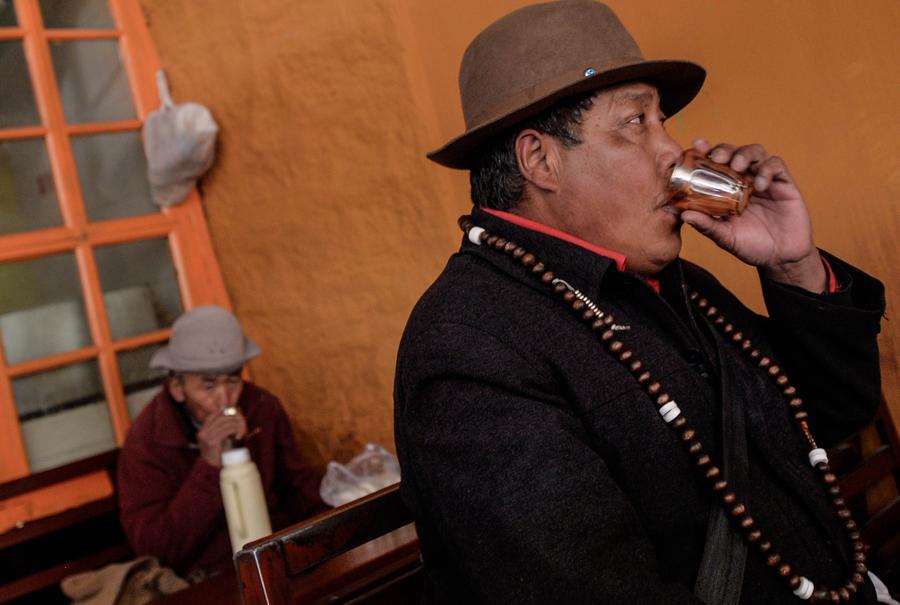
x=164, y=518
x=828, y=346
x=296, y=484
x=503, y=471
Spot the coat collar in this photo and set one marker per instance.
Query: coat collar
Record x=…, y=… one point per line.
x=521, y=221
x=582, y=264
x=583, y=268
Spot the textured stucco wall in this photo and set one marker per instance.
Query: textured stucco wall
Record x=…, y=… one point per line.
x=320, y=206
x=328, y=223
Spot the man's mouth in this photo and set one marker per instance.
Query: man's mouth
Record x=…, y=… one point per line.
x=671, y=210
x=662, y=201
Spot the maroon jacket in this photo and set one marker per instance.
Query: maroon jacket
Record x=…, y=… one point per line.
x=170, y=502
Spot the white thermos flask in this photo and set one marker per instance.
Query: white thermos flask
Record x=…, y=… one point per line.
x=242, y=494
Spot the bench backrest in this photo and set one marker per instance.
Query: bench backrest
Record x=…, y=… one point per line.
x=42, y=552
x=868, y=465
x=365, y=552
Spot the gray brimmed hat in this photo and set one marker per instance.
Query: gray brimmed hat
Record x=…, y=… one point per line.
x=535, y=56
x=206, y=339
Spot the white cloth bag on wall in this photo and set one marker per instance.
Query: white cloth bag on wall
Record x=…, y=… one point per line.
x=179, y=142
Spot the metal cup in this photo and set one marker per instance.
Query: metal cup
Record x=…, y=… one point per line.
x=698, y=183
x=228, y=442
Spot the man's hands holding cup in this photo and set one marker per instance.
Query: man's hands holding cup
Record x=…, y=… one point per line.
x=228, y=423
x=774, y=233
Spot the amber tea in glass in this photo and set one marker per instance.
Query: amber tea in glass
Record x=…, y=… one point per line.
x=698, y=183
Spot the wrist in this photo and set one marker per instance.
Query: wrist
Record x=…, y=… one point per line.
x=808, y=273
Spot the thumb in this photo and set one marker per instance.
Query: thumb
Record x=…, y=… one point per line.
x=718, y=231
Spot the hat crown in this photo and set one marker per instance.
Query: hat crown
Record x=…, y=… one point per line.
x=522, y=54
x=207, y=332
x=207, y=338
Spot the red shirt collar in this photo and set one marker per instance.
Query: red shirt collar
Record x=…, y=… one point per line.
x=616, y=257
x=515, y=219
x=833, y=285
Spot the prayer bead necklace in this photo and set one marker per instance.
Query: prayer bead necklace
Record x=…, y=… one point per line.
x=601, y=323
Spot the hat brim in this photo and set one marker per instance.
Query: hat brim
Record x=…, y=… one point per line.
x=165, y=359
x=678, y=83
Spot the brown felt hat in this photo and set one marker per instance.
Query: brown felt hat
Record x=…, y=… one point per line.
x=537, y=55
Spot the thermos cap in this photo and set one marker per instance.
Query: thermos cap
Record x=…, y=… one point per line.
x=238, y=455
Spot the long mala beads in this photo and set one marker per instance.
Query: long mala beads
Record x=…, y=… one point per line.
x=601, y=323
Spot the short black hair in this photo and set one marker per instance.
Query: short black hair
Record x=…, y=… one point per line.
x=495, y=178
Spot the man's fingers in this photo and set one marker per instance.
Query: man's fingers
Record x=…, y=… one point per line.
x=213, y=422
x=237, y=427
x=746, y=156
x=698, y=220
x=772, y=169
x=701, y=146
x=222, y=427
x=215, y=430
x=242, y=429
x=739, y=158
x=214, y=436
x=721, y=153
x=716, y=230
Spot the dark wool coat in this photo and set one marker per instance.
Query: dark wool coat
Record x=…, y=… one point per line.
x=169, y=497
x=540, y=472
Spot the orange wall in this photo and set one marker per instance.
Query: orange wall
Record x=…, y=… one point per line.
x=328, y=222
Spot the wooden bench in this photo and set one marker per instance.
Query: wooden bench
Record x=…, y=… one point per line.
x=365, y=552
x=35, y=557
x=868, y=465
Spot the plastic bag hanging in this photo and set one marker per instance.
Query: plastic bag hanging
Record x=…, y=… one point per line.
x=179, y=142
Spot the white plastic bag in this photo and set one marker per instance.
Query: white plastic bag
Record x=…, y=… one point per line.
x=374, y=469
x=179, y=142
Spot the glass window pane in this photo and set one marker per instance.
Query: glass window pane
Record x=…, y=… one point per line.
x=83, y=13
x=27, y=192
x=7, y=14
x=139, y=287
x=17, y=106
x=41, y=308
x=92, y=81
x=113, y=174
x=63, y=415
x=140, y=382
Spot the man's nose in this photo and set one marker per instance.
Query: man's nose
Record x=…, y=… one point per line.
x=669, y=154
x=220, y=397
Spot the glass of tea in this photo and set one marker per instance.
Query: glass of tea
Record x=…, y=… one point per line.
x=698, y=183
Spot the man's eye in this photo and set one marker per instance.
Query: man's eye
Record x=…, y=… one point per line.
x=638, y=119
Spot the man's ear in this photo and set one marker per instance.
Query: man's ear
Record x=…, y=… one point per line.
x=175, y=385
x=538, y=156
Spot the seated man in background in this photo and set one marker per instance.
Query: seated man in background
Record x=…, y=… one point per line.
x=171, y=506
